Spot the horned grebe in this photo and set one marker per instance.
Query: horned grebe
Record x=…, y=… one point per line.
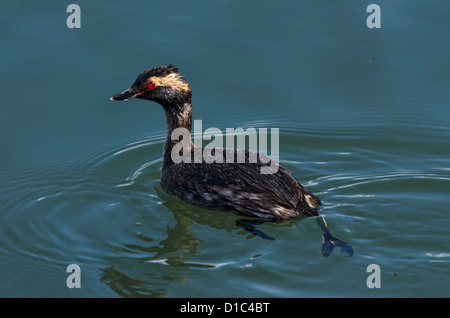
x=237, y=186
x=229, y=186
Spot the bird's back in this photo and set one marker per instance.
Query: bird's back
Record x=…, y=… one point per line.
x=241, y=187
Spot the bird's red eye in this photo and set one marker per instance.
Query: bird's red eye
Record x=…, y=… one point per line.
x=151, y=85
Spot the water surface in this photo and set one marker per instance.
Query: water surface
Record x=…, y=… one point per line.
x=364, y=123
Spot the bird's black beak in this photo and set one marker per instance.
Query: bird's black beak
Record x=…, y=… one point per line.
x=126, y=95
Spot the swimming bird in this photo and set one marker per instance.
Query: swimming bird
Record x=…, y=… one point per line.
x=230, y=186
x=238, y=186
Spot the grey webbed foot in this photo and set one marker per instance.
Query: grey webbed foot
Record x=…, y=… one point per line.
x=330, y=242
x=249, y=225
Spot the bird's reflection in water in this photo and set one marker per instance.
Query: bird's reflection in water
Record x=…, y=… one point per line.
x=175, y=250
x=141, y=279
x=180, y=244
x=126, y=286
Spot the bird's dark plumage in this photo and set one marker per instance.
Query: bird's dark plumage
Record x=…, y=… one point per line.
x=234, y=186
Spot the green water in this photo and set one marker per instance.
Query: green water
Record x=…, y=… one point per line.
x=364, y=122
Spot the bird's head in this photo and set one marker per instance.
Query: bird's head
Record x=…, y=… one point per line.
x=163, y=84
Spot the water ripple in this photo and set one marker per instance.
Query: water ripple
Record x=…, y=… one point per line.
x=105, y=206
x=38, y=200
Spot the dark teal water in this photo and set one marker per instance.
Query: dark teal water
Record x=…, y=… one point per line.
x=364, y=123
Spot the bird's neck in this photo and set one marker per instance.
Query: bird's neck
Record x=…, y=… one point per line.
x=177, y=117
